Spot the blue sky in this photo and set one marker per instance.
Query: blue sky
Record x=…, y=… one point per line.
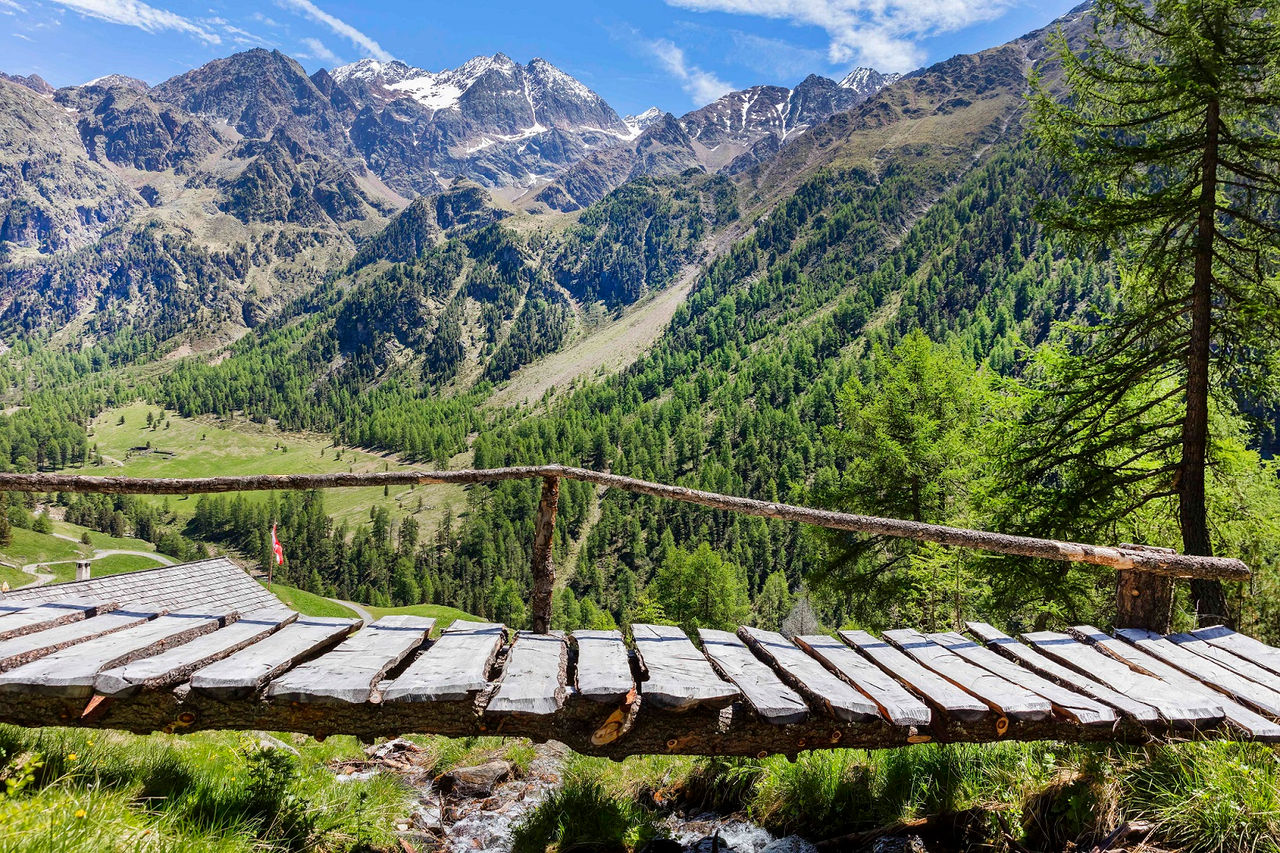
x=675, y=54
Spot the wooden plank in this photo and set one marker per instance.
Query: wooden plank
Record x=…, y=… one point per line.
x=1227, y=659
x=1173, y=704
x=26, y=648
x=813, y=680
x=244, y=672
x=897, y=704
x=760, y=686
x=1005, y=697
x=679, y=676
x=1238, y=715
x=1037, y=662
x=533, y=680
x=935, y=689
x=604, y=668
x=1081, y=708
x=70, y=671
x=19, y=619
x=171, y=668
x=1203, y=670
x=1259, y=654
x=350, y=672
x=454, y=669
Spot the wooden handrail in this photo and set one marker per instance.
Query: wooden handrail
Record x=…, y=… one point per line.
x=1132, y=558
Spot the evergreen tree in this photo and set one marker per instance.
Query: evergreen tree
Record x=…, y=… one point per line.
x=1168, y=135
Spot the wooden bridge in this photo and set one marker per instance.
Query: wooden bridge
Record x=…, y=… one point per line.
x=136, y=668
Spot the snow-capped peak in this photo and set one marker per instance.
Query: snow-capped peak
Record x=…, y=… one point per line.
x=637, y=124
x=867, y=80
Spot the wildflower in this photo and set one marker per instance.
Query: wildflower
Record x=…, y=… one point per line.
x=80, y=812
x=72, y=757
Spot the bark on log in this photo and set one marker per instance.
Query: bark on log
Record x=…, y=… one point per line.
x=734, y=731
x=1153, y=561
x=1144, y=600
x=544, y=564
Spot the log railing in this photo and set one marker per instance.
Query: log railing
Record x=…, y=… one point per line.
x=1143, y=570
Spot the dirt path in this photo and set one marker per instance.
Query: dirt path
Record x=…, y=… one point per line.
x=42, y=578
x=360, y=611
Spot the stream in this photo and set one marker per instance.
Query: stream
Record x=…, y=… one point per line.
x=476, y=809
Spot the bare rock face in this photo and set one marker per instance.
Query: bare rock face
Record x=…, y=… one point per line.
x=478, y=781
x=122, y=124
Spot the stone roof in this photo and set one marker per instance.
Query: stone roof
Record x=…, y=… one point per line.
x=217, y=583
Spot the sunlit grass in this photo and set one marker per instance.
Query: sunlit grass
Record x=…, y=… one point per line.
x=68, y=790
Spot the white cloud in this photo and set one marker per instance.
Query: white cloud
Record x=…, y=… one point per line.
x=132, y=13
x=23, y=37
x=785, y=62
x=703, y=86
x=320, y=50
x=879, y=33
x=9, y=4
x=339, y=26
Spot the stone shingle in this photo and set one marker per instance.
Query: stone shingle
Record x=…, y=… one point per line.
x=202, y=583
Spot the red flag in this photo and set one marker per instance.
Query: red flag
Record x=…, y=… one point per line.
x=275, y=547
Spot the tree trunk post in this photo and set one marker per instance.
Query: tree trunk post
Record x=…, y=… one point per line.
x=544, y=566
x=1143, y=599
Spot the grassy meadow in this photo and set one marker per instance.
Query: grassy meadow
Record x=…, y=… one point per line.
x=96, y=791
x=203, y=447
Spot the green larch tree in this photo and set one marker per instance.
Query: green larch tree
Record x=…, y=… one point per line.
x=1167, y=134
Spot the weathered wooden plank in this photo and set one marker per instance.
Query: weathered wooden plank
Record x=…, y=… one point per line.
x=19, y=619
x=935, y=689
x=897, y=704
x=350, y=672
x=1038, y=662
x=679, y=676
x=1005, y=697
x=1174, y=705
x=760, y=686
x=533, y=680
x=454, y=669
x=71, y=670
x=604, y=668
x=1227, y=659
x=1204, y=670
x=1238, y=715
x=1064, y=701
x=244, y=672
x=804, y=673
x=26, y=648
x=171, y=668
x=1257, y=653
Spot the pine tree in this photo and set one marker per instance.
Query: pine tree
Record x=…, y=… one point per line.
x=1168, y=135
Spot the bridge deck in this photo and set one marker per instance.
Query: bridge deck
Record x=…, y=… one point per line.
x=91, y=663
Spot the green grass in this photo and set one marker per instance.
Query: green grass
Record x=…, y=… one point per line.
x=200, y=447
x=310, y=604
x=1215, y=797
x=444, y=616
x=29, y=547
x=112, y=564
x=91, y=792
x=14, y=577
x=102, y=541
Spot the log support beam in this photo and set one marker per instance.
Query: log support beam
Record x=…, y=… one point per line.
x=544, y=563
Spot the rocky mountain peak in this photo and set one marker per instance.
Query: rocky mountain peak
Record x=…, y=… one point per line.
x=110, y=81
x=34, y=82
x=867, y=81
